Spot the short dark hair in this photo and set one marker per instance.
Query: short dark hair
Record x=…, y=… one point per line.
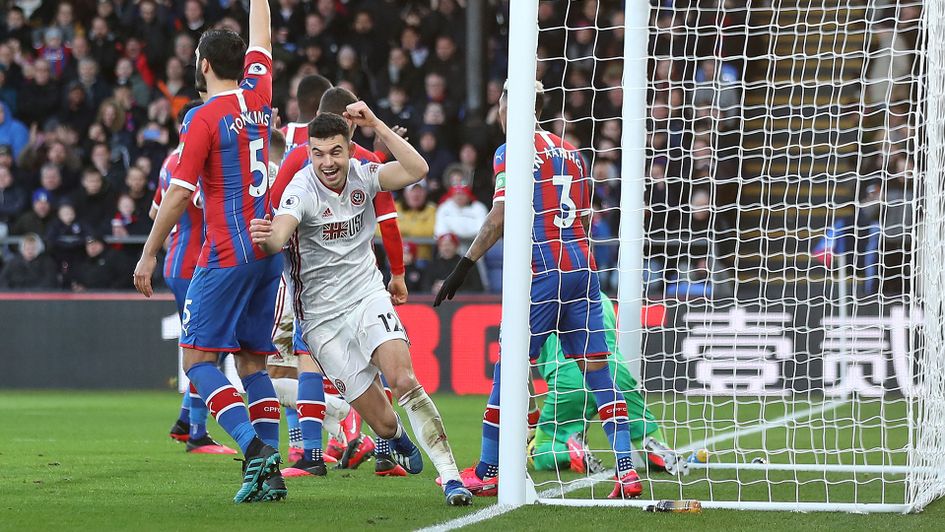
x=224, y=49
x=539, y=95
x=310, y=92
x=182, y=114
x=336, y=100
x=327, y=125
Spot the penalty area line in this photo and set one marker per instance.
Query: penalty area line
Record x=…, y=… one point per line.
x=499, y=509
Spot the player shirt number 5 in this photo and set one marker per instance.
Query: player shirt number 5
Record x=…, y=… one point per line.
x=226, y=142
x=333, y=267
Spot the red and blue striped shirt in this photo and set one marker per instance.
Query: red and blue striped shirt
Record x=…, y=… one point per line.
x=186, y=238
x=561, y=197
x=226, y=142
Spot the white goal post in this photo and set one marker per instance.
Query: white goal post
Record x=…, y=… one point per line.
x=769, y=198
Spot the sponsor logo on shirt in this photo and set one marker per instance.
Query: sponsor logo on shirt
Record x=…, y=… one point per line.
x=345, y=230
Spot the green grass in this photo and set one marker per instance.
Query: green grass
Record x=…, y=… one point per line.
x=82, y=460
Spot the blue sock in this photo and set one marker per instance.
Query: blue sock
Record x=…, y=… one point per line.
x=311, y=406
x=295, y=432
x=264, y=408
x=612, y=410
x=184, y=416
x=224, y=402
x=488, y=465
x=198, y=415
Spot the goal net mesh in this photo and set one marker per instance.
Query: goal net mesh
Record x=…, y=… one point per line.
x=792, y=326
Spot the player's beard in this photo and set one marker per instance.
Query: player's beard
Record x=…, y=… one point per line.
x=200, y=81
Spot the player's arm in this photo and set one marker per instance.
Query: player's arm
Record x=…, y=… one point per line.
x=156, y=203
x=260, y=34
x=172, y=208
x=409, y=166
x=271, y=235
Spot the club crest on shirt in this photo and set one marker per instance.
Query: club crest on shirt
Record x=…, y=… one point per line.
x=358, y=197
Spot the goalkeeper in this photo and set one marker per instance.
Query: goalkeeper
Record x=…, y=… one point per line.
x=559, y=437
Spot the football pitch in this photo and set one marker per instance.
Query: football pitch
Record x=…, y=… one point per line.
x=102, y=460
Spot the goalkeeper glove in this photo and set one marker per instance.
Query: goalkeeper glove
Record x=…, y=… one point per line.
x=454, y=281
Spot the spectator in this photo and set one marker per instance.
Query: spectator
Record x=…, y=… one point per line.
x=126, y=222
x=411, y=43
x=125, y=76
x=114, y=172
x=40, y=96
x=136, y=187
x=175, y=87
x=96, y=91
x=134, y=53
x=448, y=65
x=395, y=109
x=153, y=32
x=36, y=219
x=95, y=201
x=8, y=94
x=65, y=22
x=447, y=257
x=29, y=269
x=417, y=218
x=76, y=111
x=50, y=182
x=13, y=133
x=102, y=46
x=460, y=214
x=113, y=120
x=400, y=71
x=17, y=28
x=437, y=157
x=349, y=70
x=65, y=237
x=54, y=52
x=12, y=200
x=101, y=268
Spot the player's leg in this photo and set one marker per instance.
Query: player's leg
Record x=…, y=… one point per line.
x=311, y=413
x=583, y=338
x=180, y=431
x=286, y=383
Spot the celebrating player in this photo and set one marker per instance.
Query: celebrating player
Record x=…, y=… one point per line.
x=568, y=406
x=565, y=294
x=230, y=302
x=346, y=314
x=349, y=447
x=183, y=249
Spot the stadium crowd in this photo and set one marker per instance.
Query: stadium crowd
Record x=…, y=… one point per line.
x=89, y=90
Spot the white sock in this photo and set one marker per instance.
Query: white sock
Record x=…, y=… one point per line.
x=287, y=390
x=428, y=428
x=336, y=409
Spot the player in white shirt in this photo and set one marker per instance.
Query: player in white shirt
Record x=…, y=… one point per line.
x=347, y=317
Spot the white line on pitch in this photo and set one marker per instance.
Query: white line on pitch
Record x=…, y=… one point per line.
x=498, y=509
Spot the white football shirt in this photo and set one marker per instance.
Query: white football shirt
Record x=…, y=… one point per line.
x=332, y=267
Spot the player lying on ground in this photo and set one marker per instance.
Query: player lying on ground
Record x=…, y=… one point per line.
x=559, y=433
x=230, y=302
x=565, y=294
x=346, y=314
x=180, y=259
x=350, y=446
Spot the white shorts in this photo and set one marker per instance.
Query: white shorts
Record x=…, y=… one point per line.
x=343, y=347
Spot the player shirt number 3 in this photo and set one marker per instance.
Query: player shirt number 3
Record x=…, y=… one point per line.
x=333, y=267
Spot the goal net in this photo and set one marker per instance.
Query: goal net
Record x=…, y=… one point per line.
x=767, y=193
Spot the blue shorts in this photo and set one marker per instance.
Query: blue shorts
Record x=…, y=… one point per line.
x=178, y=286
x=232, y=309
x=567, y=304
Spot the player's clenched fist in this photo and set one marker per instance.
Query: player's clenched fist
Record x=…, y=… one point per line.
x=260, y=229
x=361, y=115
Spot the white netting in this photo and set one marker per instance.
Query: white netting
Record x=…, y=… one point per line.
x=793, y=246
